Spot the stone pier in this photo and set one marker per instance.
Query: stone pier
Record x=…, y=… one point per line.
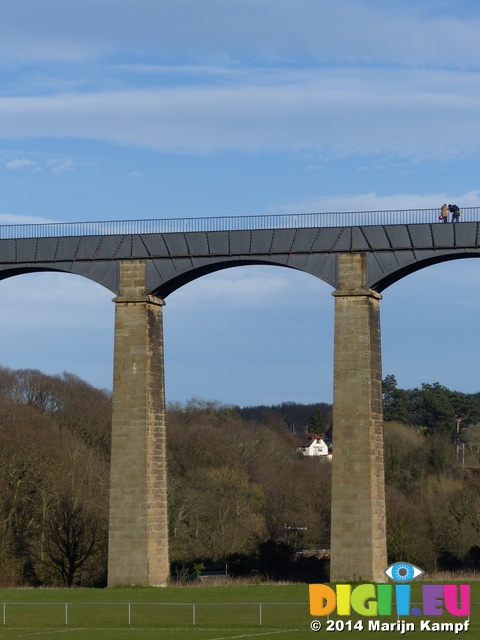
x=138, y=533
x=358, y=546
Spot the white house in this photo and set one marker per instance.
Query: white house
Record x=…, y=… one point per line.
x=311, y=444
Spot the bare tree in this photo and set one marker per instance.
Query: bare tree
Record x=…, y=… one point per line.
x=74, y=535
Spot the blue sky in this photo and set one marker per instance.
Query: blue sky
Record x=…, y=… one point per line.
x=117, y=109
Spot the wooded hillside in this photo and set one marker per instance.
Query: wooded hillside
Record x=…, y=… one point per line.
x=54, y=461
x=238, y=492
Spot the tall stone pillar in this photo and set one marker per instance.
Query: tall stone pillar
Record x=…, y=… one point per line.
x=358, y=545
x=138, y=530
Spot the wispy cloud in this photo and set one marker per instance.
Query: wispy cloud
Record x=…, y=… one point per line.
x=10, y=218
x=418, y=114
x=61, y=166
x=373, y=202
x=18, y=164
x=357, y=31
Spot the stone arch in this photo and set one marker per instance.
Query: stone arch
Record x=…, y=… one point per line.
x=11, y=272
x=397, y=275
x=392, y=275
x=186, y=277
x=101, y=272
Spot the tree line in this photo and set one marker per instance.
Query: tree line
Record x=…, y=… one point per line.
x=238, y=492
x=432, y=472
x=432, y=408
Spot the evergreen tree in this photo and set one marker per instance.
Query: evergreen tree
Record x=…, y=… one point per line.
x=317, y=422
x=395, y=401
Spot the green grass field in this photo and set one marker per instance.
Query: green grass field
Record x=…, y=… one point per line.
x=219, y=613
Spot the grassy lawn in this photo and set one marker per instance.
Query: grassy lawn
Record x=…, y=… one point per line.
x=219, y=613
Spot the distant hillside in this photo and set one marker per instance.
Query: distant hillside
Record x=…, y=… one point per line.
x=297, y=416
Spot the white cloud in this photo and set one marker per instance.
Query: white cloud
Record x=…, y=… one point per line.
x=373, y=202
x=18, y=164
x=62, y=167
x=351, y=30
x=10, y=218
x=343, y=111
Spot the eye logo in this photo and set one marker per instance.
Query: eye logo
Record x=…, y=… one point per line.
x=403, y=572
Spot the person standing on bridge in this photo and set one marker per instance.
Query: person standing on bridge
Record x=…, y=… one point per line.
x=444, y=213
x=455, y=211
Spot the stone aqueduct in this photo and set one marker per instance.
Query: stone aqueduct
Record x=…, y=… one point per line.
x=141, y=262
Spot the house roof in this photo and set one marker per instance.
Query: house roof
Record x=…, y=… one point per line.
x=306, y=439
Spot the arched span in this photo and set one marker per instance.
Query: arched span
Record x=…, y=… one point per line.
x=104, y=274
x=175, y=283
x=24, y=270
x=407, y=270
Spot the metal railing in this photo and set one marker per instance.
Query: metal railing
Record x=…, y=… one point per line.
x=235, y=223
x=126, y=617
